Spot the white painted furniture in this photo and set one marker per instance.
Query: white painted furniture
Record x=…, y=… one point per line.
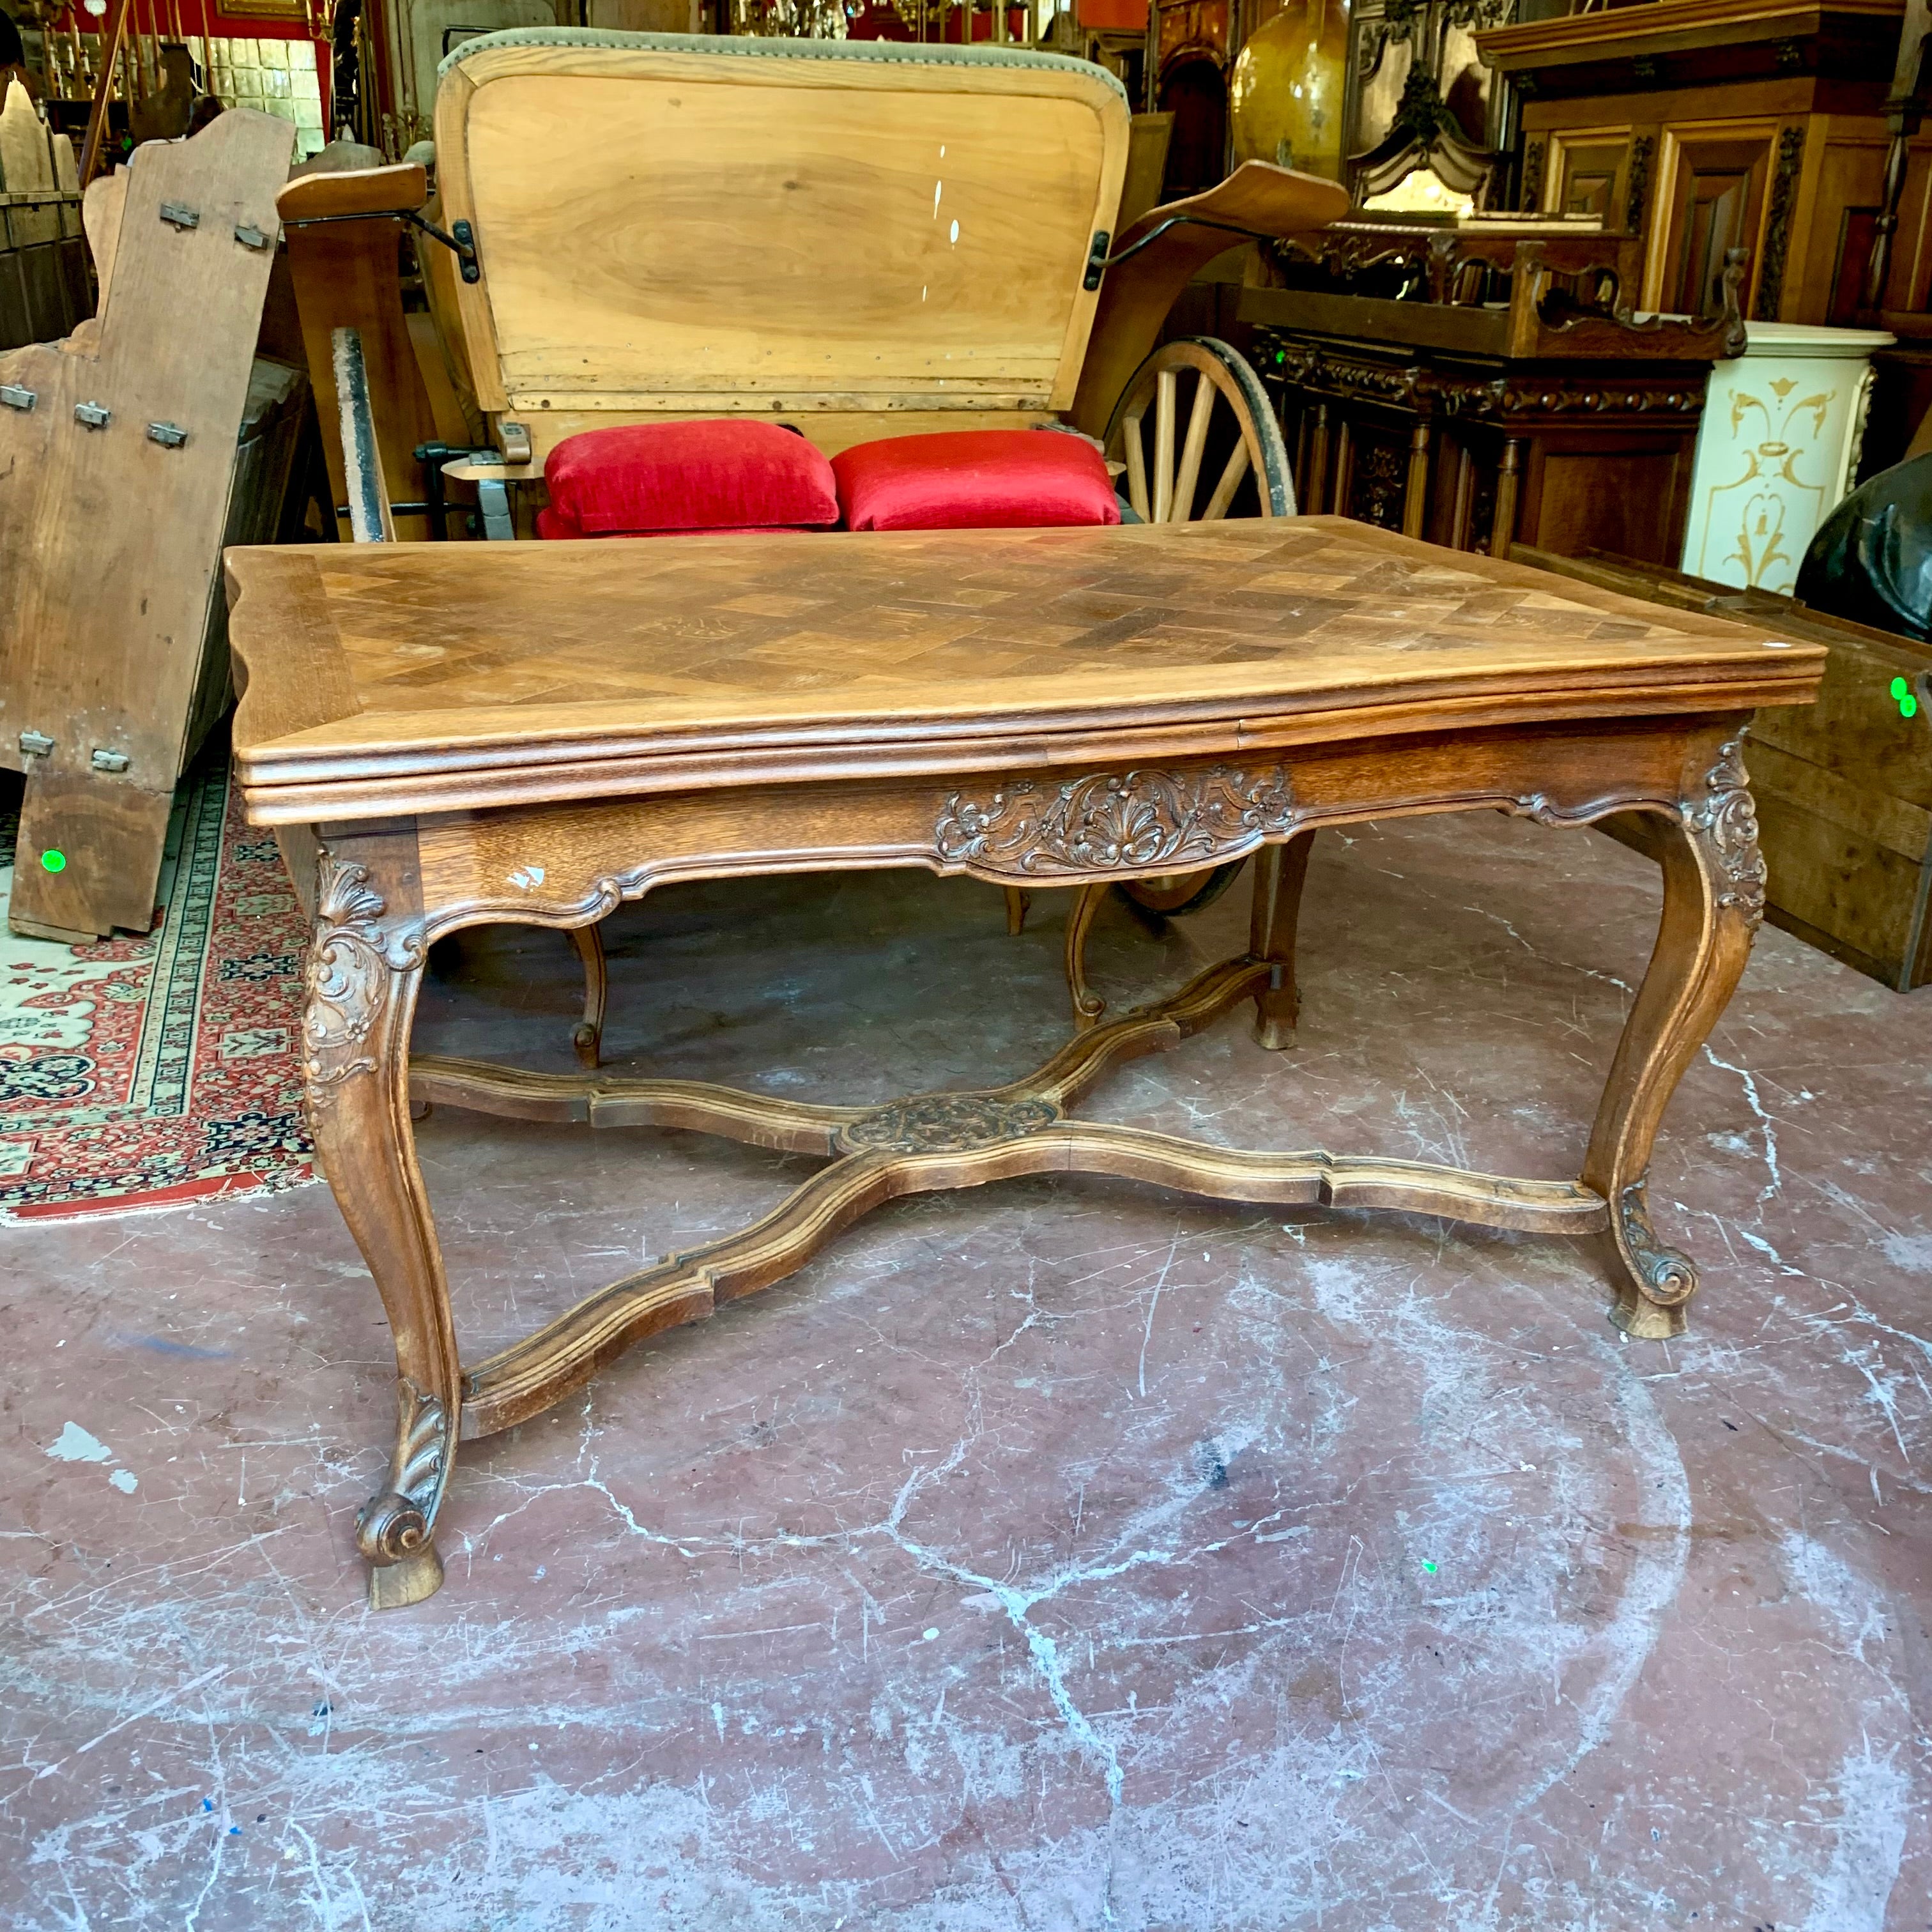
x=1777, y=448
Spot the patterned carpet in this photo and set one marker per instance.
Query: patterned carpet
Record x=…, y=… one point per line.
x=144, y=1072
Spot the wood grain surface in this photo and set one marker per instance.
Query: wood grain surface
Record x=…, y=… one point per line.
x=110, y=539
x=730, y=229
x=418, y=677
x=450, y=734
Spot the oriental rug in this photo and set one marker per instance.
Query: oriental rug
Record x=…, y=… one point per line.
x=150, y=1072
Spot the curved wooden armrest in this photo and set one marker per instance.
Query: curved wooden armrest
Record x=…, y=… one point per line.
x=1166, y=247
x=400, y=189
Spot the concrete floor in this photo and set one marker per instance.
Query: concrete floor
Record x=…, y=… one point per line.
x=1063, y=1555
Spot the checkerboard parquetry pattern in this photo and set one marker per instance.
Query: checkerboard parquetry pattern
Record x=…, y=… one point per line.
x=751, y=619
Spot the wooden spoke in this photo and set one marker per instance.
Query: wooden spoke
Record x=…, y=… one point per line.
x=1136, y=459
x=1185, y=484
x=755, y=1119
x=1166, y=383
x=1228, y=402
x=1231, y=481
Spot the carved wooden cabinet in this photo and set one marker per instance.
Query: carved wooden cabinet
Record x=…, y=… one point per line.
x=1484, y=387
x=1701, y=126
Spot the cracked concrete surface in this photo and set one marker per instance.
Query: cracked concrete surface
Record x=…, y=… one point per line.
x=1062, y=1554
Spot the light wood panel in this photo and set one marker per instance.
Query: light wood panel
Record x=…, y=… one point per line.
x=732, y=230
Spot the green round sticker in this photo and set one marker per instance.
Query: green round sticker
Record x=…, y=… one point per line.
x=1900, y=687
x=1902, y=693
x=54, y=862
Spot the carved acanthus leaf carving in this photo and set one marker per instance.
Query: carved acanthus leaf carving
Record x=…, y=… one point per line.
x=1725, y=821
x=397, y=1523
x=348, y=975
x=1777, y=222
x=1116, y=821
x=1670, y=1277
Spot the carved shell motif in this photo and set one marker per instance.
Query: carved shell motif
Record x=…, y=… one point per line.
x=1727, y=820
x=1115, y=821
x=347, y=974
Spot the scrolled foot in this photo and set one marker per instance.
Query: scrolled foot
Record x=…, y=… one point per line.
x=1656, y=1282
x=394, y=1537
x=395, y=1528
x=588, y=1042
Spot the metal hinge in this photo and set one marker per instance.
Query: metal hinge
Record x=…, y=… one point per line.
x=35, y=744
x=110, y=761
x=464, y=236
x=93, y=415
x=513, y=439
x=16, y=397
x=169, y=435
x=1096, y=259
x=176, y=215
x=249, y=236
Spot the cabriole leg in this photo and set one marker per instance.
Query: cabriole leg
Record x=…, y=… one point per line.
x=365, y=969
x=1087, y=1006
x=1280, y=872
x=1713, y=902
x=588, y=1039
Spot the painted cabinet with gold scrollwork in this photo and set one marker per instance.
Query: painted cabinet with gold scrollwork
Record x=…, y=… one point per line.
x=1777, y=447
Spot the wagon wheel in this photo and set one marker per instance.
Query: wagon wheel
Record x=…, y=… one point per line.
x=1170, y=894
x=1227, y=407
x=1224, y=386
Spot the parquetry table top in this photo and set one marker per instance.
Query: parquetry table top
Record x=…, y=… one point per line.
x=449, y=734
x=419, y=676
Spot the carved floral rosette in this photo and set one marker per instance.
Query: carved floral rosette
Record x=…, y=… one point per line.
x=1126, y=822
x=1726, y=822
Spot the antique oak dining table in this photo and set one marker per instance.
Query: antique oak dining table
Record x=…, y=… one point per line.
x=444, y=735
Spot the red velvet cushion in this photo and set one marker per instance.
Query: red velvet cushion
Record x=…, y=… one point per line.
x=725, y=473
x=975, y=479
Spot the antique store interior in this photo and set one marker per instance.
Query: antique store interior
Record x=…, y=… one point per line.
x=1197, y=732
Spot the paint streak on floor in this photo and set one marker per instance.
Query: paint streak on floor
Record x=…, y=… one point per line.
x=1062, y=1555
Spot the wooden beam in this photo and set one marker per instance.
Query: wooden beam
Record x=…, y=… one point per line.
x=104, y=84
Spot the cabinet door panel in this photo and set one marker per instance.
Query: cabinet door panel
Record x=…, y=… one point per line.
x=1629, y=495
x=1716, y=203
x=1590, y=178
